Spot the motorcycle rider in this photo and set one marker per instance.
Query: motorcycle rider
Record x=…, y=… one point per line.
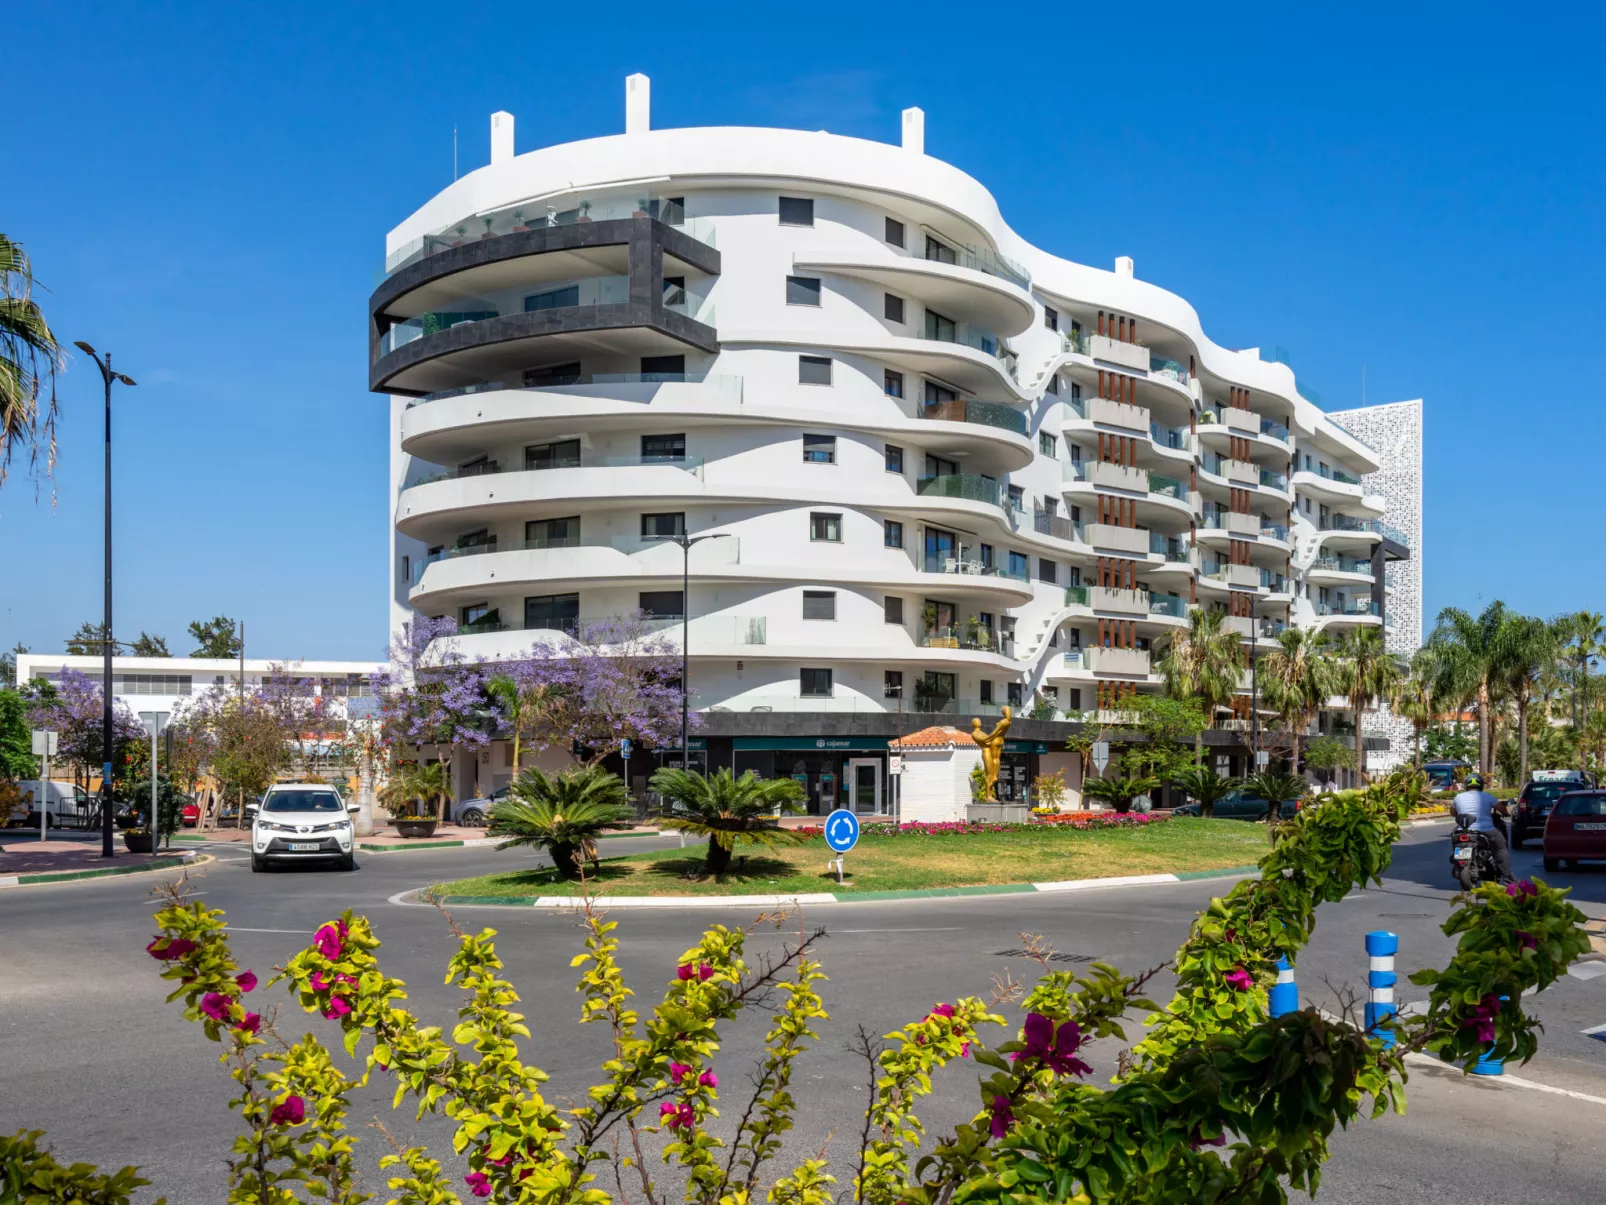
x=1480, y=806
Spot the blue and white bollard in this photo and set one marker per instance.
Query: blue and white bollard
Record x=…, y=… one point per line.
x=1284, y=996
x=1487, y=1064
x=1381, y=946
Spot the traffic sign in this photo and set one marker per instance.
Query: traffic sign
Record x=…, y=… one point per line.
x=895, y=764
x=841, y=830
x=624, y=747
x=1101, y=754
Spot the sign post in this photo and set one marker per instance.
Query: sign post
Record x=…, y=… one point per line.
x=360, y=713
x=1262, y=759
x=624, y=752
x=44, y=744
x=841, y=834
x=154, y=722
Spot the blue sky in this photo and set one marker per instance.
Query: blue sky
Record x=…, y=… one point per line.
x=1411, y=192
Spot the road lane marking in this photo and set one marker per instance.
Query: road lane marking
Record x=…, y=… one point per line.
x=1515, y=1081
x=240, y=929
x=936, y=929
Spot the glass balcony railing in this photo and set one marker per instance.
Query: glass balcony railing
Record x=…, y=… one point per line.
x=940, y=330
x=1170, y=437
x=1076, y=596
x=1173, y=605
x=1275, y=531
x=724, y=383
x=1276, y=481
x=974, y=637
x=1167, y=487
x=1337, y=475
x=1351, y=523
x=977, y=259
x=969, y=486
x=1058, y=526
x=1343, y=564
x=1214, y=464
x=1169, y=547
x=1349, y=606
x=1274, y=430
x=1276, y=583
x=968, y=410
x=591, y=291
x=1161, y=367
x=557, y=211
x=1389, y=532
x=964, y=566
x=692, y=464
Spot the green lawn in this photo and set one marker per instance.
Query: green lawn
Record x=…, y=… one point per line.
x=907, y=862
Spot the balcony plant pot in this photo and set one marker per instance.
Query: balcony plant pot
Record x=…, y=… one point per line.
x=415, y=826
x=137, y=842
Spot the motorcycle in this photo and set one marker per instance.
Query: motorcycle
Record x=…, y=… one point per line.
x=1472, y=859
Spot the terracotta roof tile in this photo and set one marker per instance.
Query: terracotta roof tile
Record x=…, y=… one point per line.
x=936, y=737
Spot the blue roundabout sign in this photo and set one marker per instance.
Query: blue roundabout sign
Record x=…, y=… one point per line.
x=841, y=830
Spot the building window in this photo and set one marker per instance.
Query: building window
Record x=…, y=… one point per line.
x=892, y=684
x=892, y=382
x=674, y=211
x=894, y=458
x=1013, y=693
x=407, y=569
x=1017, y=498
x=814, y=683
x=656, y=449
x=819, y=604
x=986, y=553
x=1046, y=444
x=1052, y=694
x=892, y=308
x=1054, y=385
x=674, y=292
x=552, y=612
x=894, y=232
x=825, y=526
x=939, y=328
x=1019, y=566
x=552, y=374
x=893, y=537
x=819, y=449
x=663, y=604
x=565, y=454
x=553, y=533
x=482, y=614
x=1047, y=570
x=559, y=298
x=1051, y=318
x=986, y=691
x=663, y=368
x=663, y=523
x=814, y=370
x=892, y=609
x=797, y=211
x=936, y=394
x=939, y=253
x=803, y=290
x=1076, y=698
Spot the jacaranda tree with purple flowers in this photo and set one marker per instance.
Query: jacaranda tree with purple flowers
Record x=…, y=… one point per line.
x=1219, y=1103
x=73, y=707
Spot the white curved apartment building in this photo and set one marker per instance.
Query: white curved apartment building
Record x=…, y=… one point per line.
x=949, y=469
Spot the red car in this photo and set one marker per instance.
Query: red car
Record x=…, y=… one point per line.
x=1576, y=830
x=191, y=814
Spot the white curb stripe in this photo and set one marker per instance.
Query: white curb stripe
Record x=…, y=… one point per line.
x=664, y=901
x=9, y=880
x=1427, y=1060
x=1129, y=880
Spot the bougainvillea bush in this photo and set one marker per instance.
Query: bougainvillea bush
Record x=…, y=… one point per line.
x=1217, y=1103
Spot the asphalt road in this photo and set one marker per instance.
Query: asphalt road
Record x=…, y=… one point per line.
x=90, y=1052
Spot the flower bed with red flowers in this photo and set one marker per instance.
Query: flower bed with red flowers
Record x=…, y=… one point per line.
x=954, y=828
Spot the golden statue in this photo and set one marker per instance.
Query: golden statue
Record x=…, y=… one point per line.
x=992, y=750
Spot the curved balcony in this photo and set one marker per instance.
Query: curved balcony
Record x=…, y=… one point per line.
x=972, y=361
x=963, y=291
x=1102, y=664
x=1156, y=495
x=434, y=327
x=1265, y=436
x=1329, y=486
x=1341, y=570
x=1345, y=531
x=1354, y=612
x=459, y=424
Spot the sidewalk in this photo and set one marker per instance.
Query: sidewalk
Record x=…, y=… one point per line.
x=25, y=857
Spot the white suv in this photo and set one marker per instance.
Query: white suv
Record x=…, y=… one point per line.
x=302, y=821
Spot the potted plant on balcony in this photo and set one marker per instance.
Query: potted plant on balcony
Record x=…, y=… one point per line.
x=518, y=222
x=585, y=211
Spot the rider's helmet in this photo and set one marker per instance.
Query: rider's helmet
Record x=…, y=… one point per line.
x=1474, y=781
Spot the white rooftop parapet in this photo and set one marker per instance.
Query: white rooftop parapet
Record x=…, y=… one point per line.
x=914, y=130
x=501, y=136
x=638, y=104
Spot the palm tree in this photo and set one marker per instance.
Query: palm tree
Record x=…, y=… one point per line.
x=1368, y=674
x=525, y=704
x=1203, y=785
x=1530, y=647
x=1297, y=677
x=29, y=357
x=729, y=811
x=1470, y=650
x=1584, y=636
x=1415, y=696
x=1276, y=787
x=561, y=813
x=1119, y=793
x=1203, y=662
x=425, y=783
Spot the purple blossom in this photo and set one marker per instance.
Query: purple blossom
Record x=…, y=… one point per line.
x=1482, y=1018
x=708, y=1079
x=1528, y=940
x=337, y=1008
x=1525, y=887
x=250, y=1023
x=173, y=949
x=246, y=981
x=678, y=1072
x=292, y=1110
x=478, y=1183
x=216, y=1005
x=328, y=939
x=941, y=1010
x=73, y=708
x=1056, y=1049
x=1238, y=979
x=1003, y=1116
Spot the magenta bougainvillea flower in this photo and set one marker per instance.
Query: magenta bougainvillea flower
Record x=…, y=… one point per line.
x=678, y=1072
x=708, y=1079
x=941, y=1010
x=684, y=972
x=330, y=939
x=337, y=1008
x=1525, y=887
x=1196, y=1141
x=478, y=1183
x=170, y=949
x=250, y=1023
x=317, y=982
x=1003, y=1116
x=704, y=972
x=1528, y=940
x=677, y=1117
x=291, y=1111
x=216, y=1006
x=246, y=980
x=1239, y=980
x=1056, y=1048
x=1482, y=1018
x=964, y=1050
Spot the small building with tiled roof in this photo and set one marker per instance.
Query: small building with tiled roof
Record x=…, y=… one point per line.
x=934, y=780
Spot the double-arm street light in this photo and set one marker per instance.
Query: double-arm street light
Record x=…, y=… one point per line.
x=685, y=541
x=106, y=849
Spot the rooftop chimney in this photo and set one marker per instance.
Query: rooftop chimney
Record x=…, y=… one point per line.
x=501, y=136
x=1123, y=266
x=638, y=104
x=914, y=130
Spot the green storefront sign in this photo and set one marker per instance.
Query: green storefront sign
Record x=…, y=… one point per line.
x=1025, y=746
x=820, y=744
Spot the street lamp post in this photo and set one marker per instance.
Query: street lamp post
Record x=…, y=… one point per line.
x=1254, y=682
x=106, y=849
x=685, y=542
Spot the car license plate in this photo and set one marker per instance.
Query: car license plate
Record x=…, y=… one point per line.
x=1589, y=826
x=1463, y=853
x=303, y=847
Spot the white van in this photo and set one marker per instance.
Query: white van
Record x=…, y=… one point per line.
x=68, y=805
